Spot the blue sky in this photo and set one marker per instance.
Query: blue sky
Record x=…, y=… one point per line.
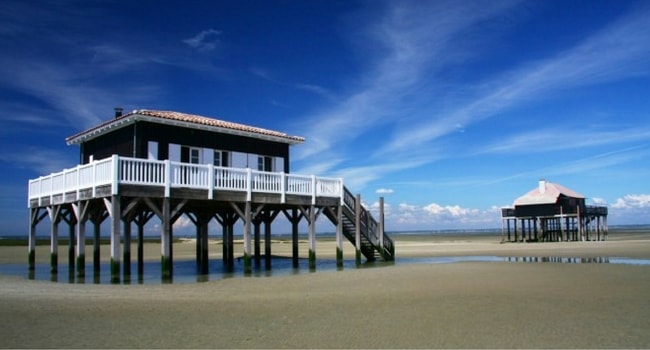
x=448, y=109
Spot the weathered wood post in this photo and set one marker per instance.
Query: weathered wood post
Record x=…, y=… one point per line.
x=96, y=246
x=248, y=268
x=381, y=227
x=312, y=237
x=294, y=218
x=339, y=235
x=115, y=215
x=72, y=230
x=166, y=241
x=31, y=243
x=257, y=223
x=81, y=213
x=126, y=255
x=268, y=220
x=34, y=219
x=54, y=213
x=357, y=225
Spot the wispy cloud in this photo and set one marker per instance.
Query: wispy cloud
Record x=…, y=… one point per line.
x=617, y=52
x=206, y=40
x=413, y=39
x=40, y=161
x=566, y=137
x=578, y=166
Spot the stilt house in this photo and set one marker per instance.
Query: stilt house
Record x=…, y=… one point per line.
x=552, y=212
x=167, y=164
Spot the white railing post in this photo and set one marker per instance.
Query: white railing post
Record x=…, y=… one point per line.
x=249, y=184
x=94, y=179
x=168, y=178
x=116, y=174
x=283, y=188
x=78, y=180
x=342, y=191
x=210, y=180
x=313, y=189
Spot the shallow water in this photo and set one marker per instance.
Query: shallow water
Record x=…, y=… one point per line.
x=186, y=271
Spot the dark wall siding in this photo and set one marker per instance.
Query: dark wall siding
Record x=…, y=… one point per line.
x=121, y=142
x=569, y=206
x=166, y=134
x=536, y=210
x=118, y=142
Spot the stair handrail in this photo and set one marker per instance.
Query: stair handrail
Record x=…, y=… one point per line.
x=369, y=225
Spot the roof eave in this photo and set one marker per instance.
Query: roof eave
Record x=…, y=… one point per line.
x=134, y=117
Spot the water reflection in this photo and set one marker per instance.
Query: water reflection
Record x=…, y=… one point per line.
x=188, y=272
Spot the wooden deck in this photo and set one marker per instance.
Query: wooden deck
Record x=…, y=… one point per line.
x=153, y=178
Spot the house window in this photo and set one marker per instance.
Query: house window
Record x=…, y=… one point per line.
x=264, y=163
x=195, y=155
x=220, y=158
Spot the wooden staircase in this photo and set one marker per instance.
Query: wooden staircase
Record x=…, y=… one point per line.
x=371, y=245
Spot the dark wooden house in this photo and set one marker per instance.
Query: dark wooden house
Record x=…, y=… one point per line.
x=168, y=164
x=552, y=212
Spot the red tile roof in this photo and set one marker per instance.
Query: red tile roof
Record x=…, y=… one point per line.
x=546, y=193
x=185, y=118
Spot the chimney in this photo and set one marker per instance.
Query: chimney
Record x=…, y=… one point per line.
x=118, y=112
x=542, y=186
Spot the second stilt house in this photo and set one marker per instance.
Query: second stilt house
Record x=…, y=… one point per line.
x=552, y=212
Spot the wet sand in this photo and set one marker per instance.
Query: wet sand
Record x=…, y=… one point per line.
x=459, y=305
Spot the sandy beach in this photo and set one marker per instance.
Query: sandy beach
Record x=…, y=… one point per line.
x=495, y=304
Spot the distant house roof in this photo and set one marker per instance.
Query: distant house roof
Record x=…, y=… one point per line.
x=546, y=193
x=182, y=120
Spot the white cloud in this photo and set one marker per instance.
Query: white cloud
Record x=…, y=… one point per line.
x=384, y=191
x=436, y=217
x=207, y=40
x=632, y=201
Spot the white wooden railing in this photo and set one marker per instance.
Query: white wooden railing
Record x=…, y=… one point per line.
x=118, y=170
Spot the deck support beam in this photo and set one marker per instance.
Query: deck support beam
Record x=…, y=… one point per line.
x=141, y=219
x=357, y=231
x=55, y=217
x=381, y=227
x=294, y=218
x=166, y=263
x=311, y=214
x=35, y=217
x=81, y=212
x=268, y=217
x=114, y=211
x=247, y=217
x=201, y=221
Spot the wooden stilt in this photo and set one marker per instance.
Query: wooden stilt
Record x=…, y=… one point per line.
x=339, y=235
x=54, y=212
x=115, y=212
x=357, y=225
x=381, y=227
x=141, y=219
x=294, y=218
x=34, y=218
x=166, y=241
x=312, y=237
x=257, y=223
x=81, y=213
x=72, y=230
x=268, y=218
x=201, y=222
x=126, y=270
x=248, y=267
